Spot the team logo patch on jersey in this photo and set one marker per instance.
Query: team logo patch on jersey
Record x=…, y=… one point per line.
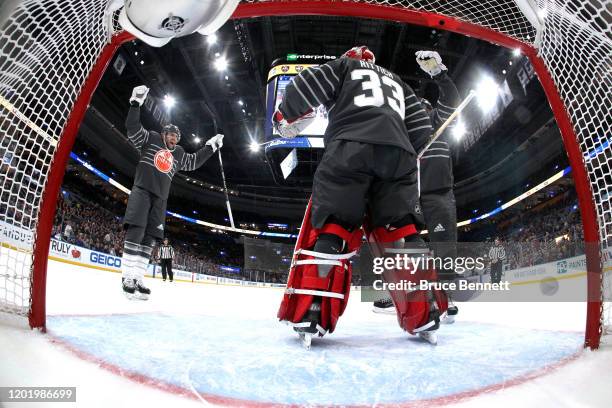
x=163, y=160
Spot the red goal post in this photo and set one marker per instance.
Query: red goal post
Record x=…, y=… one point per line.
x=53, y=54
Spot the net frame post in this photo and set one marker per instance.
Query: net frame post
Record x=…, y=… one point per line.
x=42, y=235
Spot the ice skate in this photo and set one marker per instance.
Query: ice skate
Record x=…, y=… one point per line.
x=141, y=292
x=384, y=306
x=309, y=326
x=451, y=313
x=134, y=289
x=429, y=336
x=128, y=287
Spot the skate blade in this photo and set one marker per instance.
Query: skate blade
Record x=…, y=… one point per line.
x=448, y=320
x=136, y=296
x=431, y=338
x=306, y=339
x=128, y=295
x=388, y=311
x=141, y=296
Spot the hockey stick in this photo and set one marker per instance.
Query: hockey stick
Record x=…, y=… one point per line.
x=229, y=207
x=448, y=121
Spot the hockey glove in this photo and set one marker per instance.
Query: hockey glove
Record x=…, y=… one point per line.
x=430, y=62
x=291, y=128
x=215, y=142
x=139, y=94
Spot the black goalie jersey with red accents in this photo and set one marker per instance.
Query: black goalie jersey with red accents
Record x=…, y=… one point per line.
x=158, y=165
x=365, y=103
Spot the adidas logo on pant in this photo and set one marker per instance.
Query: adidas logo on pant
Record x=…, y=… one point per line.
x=439, y=228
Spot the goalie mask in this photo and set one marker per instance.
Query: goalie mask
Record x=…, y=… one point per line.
x=362, y=53
x=156, y=22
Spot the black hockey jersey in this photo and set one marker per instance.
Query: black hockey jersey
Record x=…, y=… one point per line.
x=365, y=103
x=436, y=163
x=158, y=165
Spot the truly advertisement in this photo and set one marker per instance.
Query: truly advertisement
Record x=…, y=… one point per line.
x=65, y=250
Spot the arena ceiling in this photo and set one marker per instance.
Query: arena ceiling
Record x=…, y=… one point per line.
x=232, y=101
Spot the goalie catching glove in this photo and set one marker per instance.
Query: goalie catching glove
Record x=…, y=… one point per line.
x=430, y=62
x=292, y=128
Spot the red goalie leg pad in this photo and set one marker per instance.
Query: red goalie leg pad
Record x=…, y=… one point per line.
x=304, y=282
x=413, y=304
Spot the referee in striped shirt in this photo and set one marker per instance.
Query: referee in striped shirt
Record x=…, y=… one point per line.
x=497, y=255
x=165, y=254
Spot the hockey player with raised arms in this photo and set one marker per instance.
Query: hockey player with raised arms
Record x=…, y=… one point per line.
x=368, y=172
x=145, y=217
x=436, y=174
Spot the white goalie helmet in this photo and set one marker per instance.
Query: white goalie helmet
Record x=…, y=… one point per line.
x=156, y=22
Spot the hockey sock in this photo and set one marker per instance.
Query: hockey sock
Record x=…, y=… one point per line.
x=129, y=260
x=143, y=255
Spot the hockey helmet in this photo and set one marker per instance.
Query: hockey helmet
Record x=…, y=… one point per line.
x=170, y=128
x=360, y=52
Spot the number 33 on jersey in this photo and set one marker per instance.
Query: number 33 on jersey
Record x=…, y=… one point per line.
x=365, y=103
x=371, y=81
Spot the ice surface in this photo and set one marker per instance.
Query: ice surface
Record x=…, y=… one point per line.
x=206, y=341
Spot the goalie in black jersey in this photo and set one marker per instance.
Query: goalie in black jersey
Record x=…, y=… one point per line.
x=145, y=217
x=376, y=126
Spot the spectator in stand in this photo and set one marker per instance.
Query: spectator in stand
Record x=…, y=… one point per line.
x=68, y=232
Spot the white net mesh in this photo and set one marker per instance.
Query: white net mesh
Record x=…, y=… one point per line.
x=47, y=49
x=576, y=46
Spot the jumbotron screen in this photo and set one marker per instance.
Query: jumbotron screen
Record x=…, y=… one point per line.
x=278, y=78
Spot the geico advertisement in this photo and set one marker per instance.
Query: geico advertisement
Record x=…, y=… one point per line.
x=79, y=254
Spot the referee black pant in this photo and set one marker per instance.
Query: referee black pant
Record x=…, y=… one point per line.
x=166, y=267
x=496, y=272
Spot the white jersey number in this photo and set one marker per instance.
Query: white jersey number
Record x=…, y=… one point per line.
x=377, y=98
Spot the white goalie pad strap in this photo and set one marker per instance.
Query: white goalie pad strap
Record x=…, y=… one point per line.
x=318, y=262
x=301, y=324
x=323, y=255
x=305, y=324
x=292, y=291
x=425, y=326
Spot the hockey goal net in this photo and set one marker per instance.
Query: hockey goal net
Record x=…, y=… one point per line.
x=53, y=53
